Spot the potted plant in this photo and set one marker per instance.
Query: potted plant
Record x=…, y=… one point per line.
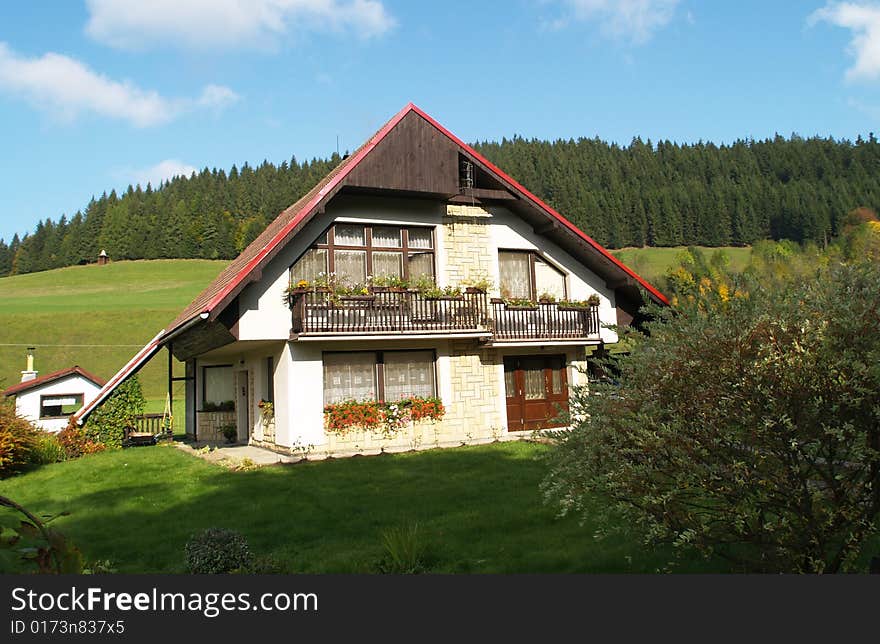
x=546, y=298
x=230, y=433
x=520, y=304
x=481, y=284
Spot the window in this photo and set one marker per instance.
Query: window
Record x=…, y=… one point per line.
x=218, y=389
x=382, y=375
x=269, y=395
x=527, y=275
x=349, y=376
x=60, y=405
x=354, y=251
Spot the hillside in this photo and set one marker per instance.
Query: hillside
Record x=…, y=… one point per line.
x=645, y=194
x=652, y=263
x=96, y=316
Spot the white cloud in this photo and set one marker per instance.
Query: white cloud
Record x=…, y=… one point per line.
x=863, y=20
x=228, y=24
x=65, y=88
x=634, y=21
x=167, y=169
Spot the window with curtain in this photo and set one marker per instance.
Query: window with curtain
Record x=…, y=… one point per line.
x=378, y=375
x=515, y=272
x=548, y=279
x=349, y=376
x=354, y=251
x=527, y=275
x=309, y=266
x=218, y=385
x=409, y=373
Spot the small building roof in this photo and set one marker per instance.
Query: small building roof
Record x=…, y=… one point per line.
x=76, y=370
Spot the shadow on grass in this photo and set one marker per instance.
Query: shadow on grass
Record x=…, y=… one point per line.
x=479, y=507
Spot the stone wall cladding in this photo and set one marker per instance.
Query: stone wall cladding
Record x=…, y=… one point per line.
x=211, y=425
x=467, y=243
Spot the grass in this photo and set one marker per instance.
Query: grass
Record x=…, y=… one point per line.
x=96, y=316
x=652, y=263
x=478, y=510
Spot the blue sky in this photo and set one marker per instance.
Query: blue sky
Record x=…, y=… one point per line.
x=97, y=94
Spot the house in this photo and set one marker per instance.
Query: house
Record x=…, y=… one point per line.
x=371, y=287
x=49, y=401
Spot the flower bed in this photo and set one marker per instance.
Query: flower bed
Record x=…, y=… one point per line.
x=380, y=417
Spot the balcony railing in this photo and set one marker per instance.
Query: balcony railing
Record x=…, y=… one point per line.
x=410, y=311
x=403, y=311
x=544, y=321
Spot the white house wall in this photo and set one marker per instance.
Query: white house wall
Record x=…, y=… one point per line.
x=27, y=404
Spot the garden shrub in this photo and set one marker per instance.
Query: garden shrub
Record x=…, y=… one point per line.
x=18, y=440
x=48, y=449
x=76, y=443
x=108, y=422
x=217, y=551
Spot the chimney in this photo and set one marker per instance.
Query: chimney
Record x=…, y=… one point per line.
x=29, y=374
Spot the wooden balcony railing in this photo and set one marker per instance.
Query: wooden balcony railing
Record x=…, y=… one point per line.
x=407, y=311
x=544, y=321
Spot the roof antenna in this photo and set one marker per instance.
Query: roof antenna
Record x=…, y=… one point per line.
x=337, y=145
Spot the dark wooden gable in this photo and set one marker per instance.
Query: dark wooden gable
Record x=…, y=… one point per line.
x=414, y=157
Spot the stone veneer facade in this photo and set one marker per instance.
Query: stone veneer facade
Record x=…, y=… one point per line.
x=466, y=243
x=211, y=425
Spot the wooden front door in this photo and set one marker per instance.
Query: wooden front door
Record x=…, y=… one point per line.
x=536, y=388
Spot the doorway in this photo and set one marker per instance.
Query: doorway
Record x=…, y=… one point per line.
x=242, y=406
x=536, y=390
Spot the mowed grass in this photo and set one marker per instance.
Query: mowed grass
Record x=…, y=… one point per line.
x=479, y=510
x=96, y=316
x=652, y=263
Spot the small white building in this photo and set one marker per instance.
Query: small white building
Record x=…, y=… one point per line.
x=50, y=400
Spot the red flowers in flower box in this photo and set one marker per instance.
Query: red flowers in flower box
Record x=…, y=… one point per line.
x=342, y=417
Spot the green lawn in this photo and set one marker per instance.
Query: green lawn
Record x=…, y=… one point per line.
x=480, y=510
x=651, y=263
x=101, y=314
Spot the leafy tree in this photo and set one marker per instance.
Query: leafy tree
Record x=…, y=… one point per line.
x=744, y=425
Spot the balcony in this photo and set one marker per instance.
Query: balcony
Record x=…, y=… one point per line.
x=409, y=311
x=387, y=311
x=544, y=321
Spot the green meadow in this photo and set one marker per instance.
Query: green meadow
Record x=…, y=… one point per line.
x=96, y=316
x=652, y=263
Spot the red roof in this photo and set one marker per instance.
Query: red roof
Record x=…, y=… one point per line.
x=52, y=377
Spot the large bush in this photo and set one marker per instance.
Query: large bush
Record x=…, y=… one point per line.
x=747, y=425
x=107, y=423
x=18, y=441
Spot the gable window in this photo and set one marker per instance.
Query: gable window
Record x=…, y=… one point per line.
x=527, y=275
x=354, y=251
x=378, y=375
x=60, y=405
